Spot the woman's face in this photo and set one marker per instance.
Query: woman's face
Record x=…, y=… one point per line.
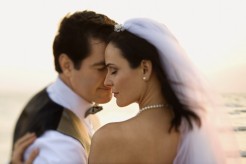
x=126, y=82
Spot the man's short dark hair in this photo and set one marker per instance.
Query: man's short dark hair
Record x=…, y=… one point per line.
x=74, y=34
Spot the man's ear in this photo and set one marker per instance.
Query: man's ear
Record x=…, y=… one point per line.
x=146, y=66
x=66, y=64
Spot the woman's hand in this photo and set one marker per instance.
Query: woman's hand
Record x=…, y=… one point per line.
x=20, y=147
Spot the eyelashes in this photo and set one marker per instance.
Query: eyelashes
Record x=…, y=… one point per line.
x=101, y=69
x=112, y=71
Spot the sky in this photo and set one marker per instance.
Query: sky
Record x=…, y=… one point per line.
x=211, y=31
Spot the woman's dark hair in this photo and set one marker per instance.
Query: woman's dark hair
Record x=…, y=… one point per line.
x=135, y=49
x=75, y=32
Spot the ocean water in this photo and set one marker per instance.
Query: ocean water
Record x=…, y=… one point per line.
x=11, y=105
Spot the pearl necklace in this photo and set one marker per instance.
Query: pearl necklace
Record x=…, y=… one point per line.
x=152, y=107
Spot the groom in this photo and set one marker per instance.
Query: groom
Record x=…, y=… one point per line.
x=58, y=113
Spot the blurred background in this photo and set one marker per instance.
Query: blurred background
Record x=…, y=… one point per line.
x=211, y=31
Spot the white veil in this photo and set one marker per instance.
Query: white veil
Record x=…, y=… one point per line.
x=201, y=145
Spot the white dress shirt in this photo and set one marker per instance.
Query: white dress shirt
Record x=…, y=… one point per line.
x=56, y=147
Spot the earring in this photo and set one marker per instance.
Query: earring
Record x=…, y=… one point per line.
x=144, y=78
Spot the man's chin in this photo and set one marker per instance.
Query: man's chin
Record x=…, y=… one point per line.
x=103, y=100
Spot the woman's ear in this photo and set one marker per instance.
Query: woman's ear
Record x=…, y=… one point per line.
x=66, y=64
x=146, y=66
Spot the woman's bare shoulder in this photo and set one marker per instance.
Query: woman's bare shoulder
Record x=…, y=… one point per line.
x=109, y=130
x=105, y=142
x=114, y=132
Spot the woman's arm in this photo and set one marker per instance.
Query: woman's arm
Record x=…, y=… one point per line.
x=20, y=147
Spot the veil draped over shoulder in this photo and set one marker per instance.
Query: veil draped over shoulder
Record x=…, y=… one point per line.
x=207, y=144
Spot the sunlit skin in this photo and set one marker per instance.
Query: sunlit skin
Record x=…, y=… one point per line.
x=122, y=78
x=88, y=81
x=130, y=141
x=127, y=83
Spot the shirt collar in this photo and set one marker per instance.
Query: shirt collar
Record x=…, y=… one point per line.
x=60, y=93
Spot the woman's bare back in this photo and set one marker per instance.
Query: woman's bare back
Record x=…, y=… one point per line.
x=142, y=139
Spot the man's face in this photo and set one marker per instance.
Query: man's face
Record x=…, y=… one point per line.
x=88, y=81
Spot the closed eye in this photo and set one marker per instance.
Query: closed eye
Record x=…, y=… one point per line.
x=112, y=70
x=101, y=68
